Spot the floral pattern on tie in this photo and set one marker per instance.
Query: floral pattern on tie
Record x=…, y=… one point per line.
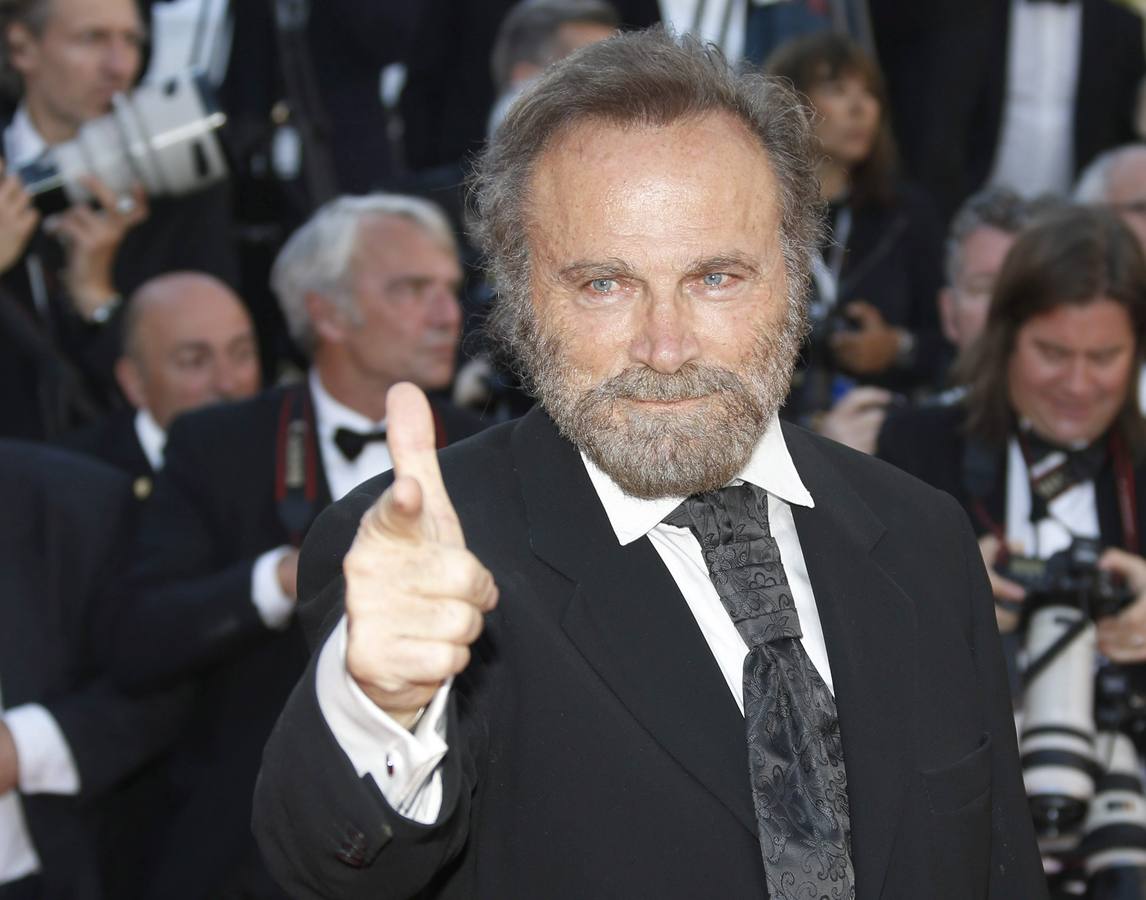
x=795, y=755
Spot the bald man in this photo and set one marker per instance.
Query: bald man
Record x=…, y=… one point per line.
x=187, y=342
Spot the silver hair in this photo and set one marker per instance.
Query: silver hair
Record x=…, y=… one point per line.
x=993, y=207
x=529, y=31
x=640, y=78
x=317, y=257
x=1090, y=189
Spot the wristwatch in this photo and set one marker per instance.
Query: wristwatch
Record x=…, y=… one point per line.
x=103, y=312
x=905, y=352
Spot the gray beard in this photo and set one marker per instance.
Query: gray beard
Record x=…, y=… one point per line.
x=667, y=452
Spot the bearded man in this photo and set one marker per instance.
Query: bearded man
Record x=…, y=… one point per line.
x=646, y=641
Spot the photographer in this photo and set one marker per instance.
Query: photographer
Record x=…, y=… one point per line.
x=1045, y=452
x=1052, y=375
x=64, y=275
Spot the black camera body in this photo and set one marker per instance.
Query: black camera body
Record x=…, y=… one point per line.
x=1070, y=577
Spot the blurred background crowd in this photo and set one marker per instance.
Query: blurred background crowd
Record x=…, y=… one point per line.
x=192, y=366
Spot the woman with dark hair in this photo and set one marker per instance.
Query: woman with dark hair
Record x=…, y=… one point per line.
x=878, y=273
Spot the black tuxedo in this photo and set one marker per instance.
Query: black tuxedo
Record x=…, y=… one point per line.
x=212, y=513
x=946, y=67
x=64, y=527
x=595, y=749
x=929, y=442
x=115, y=441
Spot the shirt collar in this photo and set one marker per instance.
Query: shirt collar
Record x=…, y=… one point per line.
x=331, y=415
x=22, y=142
x=152, y=438
x=770, y=467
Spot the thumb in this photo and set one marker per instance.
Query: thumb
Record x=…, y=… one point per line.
x=418, y=488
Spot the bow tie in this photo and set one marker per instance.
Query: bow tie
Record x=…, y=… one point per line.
x=352, y=443
x=1085, y=462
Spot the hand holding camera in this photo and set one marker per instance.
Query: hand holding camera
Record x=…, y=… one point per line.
x=91, y=238
x=18, y=219
x=869, y=347
x=1122, y=637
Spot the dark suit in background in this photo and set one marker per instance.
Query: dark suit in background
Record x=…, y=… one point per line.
x=115, y=441
x=65, y=527
x=212, y=513
x=946, y=68
x=595, y=749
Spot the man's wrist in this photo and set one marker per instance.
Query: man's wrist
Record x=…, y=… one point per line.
x=9, y=760
x=98, y=306
x=905, y=348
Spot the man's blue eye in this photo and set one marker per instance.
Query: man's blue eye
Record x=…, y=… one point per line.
x=603, y=285
x=714, y=279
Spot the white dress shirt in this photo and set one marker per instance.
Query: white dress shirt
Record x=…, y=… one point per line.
x=342, y=476
x=404, y=764
x=1076, y=508
x=46, y=767
x=1035, y=154
x=152, y=438
x=22, y=142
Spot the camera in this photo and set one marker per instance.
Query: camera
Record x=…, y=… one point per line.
x=162, y=136
x=1065, y=595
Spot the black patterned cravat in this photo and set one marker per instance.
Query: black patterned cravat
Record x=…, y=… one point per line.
x=795, y=758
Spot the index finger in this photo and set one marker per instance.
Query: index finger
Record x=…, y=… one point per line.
x=411, y=439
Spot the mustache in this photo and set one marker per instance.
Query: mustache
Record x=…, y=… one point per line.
x=690, y=382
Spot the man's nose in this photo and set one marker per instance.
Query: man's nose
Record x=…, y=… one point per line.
x=1079, y=377
x=665, y=336
x=445, y=310
x=121, y=61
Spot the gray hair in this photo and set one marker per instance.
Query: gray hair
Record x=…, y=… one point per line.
x=1092, y=183
x=640, y=78
x=528, y=33
x=317, y=257
x=992, y=207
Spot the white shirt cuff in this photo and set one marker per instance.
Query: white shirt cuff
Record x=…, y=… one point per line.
x=403, y=764
x=274, y=606
x=45, y=759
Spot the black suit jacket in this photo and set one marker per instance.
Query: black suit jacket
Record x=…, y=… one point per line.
x=946, y=67
x=115, y=441
x=595, y=750
x=929, y=442
x=211, y=514
x=65, y=526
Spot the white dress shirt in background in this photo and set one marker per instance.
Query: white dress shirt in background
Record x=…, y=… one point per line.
x=342, y=476
x=1035, y=154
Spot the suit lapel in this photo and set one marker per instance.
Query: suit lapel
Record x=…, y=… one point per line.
x=628, y=619
x=869, y=629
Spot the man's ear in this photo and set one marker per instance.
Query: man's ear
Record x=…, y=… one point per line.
x=21, y=47
x=131, y=381
x=328, y=319
x=947, y=315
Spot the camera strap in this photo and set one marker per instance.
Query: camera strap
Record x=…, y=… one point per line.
x=1125, y=489
x=1037, y=665
x=296, y=464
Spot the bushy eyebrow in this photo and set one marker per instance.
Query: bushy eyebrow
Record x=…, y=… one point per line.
x=723, y=262
x=586, y=270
